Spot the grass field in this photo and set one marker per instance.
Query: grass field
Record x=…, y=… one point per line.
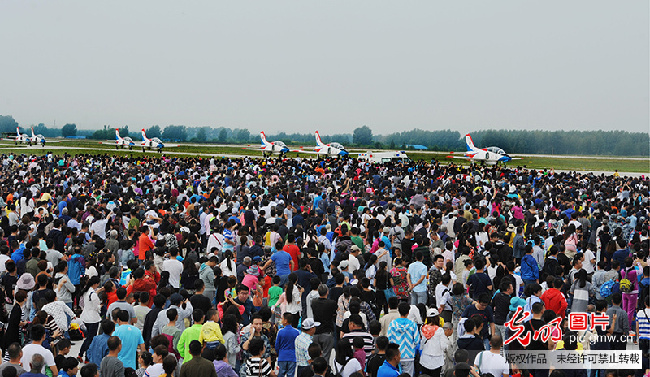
x=559, y=163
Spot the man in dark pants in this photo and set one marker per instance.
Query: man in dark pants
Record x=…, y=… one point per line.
x=324, y=311
x=621, y=326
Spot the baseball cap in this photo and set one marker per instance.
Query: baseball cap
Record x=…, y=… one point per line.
x=432, y=312
x=176, y=298
x=344, y=264
x=386, y=229
x=309, y=324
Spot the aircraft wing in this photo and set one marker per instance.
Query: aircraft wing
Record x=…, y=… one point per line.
x=171, y=145
x=308, y=150
x=253, y=147
x=462, y=157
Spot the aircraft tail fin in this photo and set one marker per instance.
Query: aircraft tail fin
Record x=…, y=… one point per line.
x=318, y=140
x=469, y=144
x=144, y=135
x=263, y=136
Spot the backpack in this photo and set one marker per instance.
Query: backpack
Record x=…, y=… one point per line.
x=607, y=288
x=625, y=286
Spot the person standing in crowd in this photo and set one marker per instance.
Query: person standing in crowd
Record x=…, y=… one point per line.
x=324, y=311
x=404, y=332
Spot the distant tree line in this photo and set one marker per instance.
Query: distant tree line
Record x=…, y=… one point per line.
x=614, y=143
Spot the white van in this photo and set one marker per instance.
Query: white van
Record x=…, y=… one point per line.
x=381, y=157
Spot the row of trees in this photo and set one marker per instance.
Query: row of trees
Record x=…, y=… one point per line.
x=616, y=143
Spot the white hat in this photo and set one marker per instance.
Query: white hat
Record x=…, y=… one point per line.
x=432, y=312
x=344, y=264
x=309, y=324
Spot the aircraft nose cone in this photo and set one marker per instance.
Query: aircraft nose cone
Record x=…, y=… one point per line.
x=505, y=158
x=344, y=153
x=285, y=150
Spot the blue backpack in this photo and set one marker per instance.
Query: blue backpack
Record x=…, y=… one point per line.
x=607, y=288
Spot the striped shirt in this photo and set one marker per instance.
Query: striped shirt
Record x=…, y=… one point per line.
x=257, y=367
x=643, y=319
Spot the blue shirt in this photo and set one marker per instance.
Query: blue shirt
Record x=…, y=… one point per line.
x=416, y=271
x=285, y=344
x=282, y=261
x=387, y=370
x=131, y=338
x=98, y=349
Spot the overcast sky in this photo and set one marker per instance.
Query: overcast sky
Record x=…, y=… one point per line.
x=327, y=65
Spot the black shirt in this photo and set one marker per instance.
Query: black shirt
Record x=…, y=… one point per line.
x=201, y=302
x=532, y=326
x=335, y=293
x=501, y=304
x=373, y=364
x=324, y=312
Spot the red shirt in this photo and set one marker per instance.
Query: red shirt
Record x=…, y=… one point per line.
x=554, y=300
x=294, y=251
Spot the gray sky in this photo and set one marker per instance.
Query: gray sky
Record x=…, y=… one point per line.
x=327, y=65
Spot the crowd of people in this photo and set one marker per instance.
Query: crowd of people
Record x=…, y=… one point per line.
x=297, y=267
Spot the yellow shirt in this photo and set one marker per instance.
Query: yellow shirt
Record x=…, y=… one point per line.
x=210, y=332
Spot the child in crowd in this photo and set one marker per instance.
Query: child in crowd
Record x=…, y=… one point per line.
x=359, y=352
x=63, y=348
x=144, y=360
x=257, y=366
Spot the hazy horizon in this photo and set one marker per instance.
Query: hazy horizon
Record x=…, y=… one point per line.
x=290, y=66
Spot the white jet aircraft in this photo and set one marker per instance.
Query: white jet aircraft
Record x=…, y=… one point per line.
x=154, y=143
x=270, y=147
x=489, y=156
x=124, y=142
x=327, y=150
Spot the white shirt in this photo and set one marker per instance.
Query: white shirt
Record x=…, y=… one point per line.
x=442, y=297
x=224, y=268
x=492, y=363
x=3, y=260
x=91, y=307
x=32, y=349
x=175, y=269
x=154, y=370
x=99, y=227
x=354, y=263
x=352, y=366
x=587, y=266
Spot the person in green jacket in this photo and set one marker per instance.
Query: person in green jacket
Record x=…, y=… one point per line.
x=190, y=334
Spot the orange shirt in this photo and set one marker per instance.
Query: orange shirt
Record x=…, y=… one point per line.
x=145, y=245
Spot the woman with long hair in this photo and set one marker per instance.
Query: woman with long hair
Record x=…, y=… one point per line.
x=228, y=264
x=571, y=241
x=291, y=298
x=345, y=364
x=383, y=284
x=91, y=312
x=582, y=291
x=189, y=276
x=230, y=329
